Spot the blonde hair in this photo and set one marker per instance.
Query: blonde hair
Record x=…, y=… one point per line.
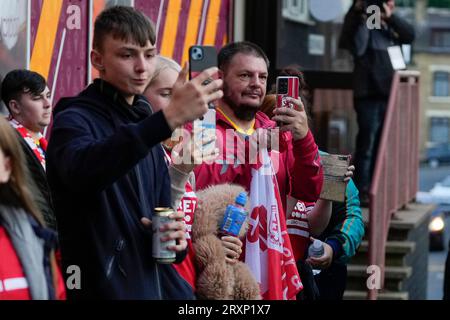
x=163, y=63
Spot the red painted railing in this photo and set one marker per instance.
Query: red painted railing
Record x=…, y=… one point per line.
x=395, y=178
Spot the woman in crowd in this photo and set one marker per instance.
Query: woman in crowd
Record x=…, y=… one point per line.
x=27, y=266
x=159, y=92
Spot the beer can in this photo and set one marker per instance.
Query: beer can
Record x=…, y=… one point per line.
x=159, y=251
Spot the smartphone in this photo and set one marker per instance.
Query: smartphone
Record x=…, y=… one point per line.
x=201, y=58
x=287, y=87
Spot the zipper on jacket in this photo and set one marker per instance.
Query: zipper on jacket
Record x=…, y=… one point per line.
x=109, y=268
x=158, y=283
x=119, y=247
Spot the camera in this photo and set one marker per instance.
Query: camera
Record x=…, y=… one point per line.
x=197, y=53
x=283, y=86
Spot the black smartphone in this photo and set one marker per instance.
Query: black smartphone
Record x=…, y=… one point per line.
x=201, y=58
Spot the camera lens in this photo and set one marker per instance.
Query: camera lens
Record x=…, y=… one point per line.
x=197, y=53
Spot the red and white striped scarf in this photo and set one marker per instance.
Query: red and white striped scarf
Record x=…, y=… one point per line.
x=38, y=149
x=268, y=250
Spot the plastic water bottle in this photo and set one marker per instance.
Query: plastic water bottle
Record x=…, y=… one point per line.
x=235, y=216
x=316, y=250
x=205, y=129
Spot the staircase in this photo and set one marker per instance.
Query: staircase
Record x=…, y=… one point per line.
x=406, y=268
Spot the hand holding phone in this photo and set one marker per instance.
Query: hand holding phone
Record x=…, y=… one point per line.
x=290, y=113
x=201, y=58
x=287, y=86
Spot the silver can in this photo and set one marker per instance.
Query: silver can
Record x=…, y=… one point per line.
x=160, y=252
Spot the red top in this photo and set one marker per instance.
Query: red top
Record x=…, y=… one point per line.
x=298, y=229
x=13, y=283
x=299, y=171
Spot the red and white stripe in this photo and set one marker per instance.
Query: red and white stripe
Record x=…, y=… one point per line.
x=298, y=228
x=12, y=284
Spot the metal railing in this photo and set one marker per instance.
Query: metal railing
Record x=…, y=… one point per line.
x=395, y=177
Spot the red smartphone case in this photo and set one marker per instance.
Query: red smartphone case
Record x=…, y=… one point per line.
x=287, y=87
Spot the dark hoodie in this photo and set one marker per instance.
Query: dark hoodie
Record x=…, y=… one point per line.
x=106, y=171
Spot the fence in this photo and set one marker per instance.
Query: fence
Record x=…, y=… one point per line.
x=395, y=177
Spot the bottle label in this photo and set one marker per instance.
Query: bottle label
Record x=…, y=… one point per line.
x=232, y=221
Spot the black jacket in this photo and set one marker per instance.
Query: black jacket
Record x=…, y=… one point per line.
x=106, y=171
x=373, y=70
x=39, y=185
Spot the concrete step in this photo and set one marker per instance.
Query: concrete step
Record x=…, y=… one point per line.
x=394, y=247
x=403, y=220
x=396, y=253
x=384, y=295
x=395, y=277
x=360, y=271
x=406, y=248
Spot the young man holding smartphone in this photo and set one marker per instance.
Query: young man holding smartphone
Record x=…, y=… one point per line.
x=106, y=166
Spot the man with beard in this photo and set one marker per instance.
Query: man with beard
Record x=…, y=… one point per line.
x=294, y=169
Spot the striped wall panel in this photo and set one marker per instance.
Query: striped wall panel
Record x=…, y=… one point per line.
x=59, y=38
x=59, y=44
x=183, y=23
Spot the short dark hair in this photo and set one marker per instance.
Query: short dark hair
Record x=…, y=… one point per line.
x=227, y=53
x=125, y=23
x=18, y=82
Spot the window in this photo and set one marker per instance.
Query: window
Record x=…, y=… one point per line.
x=439, y=3
x=439, y=130
x=296, y=10
x=440, y=38
x=441, y=84
x=405, y=3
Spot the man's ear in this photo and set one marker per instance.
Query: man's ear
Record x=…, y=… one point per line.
x=220, y=73
x=97, y=60
x=14, y=107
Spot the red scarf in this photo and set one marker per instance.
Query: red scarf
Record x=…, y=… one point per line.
x=39, y=145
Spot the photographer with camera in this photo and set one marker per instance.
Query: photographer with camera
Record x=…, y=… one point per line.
x=373, y=73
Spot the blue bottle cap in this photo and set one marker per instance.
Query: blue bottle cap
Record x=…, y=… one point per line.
x=241, y=199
